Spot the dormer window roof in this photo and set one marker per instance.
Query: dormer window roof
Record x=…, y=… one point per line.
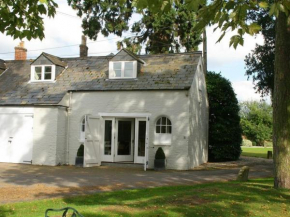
x=124, y=65
x=46, y=67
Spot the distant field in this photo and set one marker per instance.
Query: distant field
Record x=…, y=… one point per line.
x=255, y=152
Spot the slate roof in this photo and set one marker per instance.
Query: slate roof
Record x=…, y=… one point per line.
x=132, y=55
x=54, y=59
x=161, y=72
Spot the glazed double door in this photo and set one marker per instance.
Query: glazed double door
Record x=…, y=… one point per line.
x=124, y=140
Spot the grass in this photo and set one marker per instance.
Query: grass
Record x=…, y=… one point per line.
x=255, y=152
x=253, y=198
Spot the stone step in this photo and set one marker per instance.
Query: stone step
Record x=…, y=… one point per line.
x=122, y=164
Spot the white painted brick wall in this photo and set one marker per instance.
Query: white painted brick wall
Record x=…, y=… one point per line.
x=61, y=136
x=198, y=122
x=173, y=104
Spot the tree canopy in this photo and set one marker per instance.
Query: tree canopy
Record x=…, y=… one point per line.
x=23, y=18
x=225, y=134
x=260, y=63
x=170, y=32
x=256, y=121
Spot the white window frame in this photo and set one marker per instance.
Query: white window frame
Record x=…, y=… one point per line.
x=42, y=73
x=111, y=69
x=82, y=133
x=162, y=138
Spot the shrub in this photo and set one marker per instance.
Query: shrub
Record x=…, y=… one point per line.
x=225, y=134
x=80, y=152
x=256, y=121
x=160, y=154
x=268, y=144
x=247, y=143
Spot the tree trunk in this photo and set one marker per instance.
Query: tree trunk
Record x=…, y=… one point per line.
x=281, y=104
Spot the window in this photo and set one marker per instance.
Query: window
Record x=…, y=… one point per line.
x=163, y=131
x=43, y=73
x=163, y=125
x=83, y=129
x=123, y=69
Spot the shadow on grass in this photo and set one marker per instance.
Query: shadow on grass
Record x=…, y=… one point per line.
x=218, y=199
x=5, y=212
x=253, y=198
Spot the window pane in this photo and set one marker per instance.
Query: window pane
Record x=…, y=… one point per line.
x=169, y=129
x=158, y=122
x=128, y=73
x=83, y=125
x=47, y=68
x=141, y=138
x=163, y=129
x=163, y=122
x=47, y=73
x=37, y=74
x=117, y=73
x=168, y=122
x=157, y=129
x=117, y=66
x=108, y=137
x=128, y=65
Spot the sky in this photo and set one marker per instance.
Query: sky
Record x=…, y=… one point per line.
x=64, y=30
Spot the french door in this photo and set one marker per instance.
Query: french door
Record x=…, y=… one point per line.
x=124, y=139
x=140, y=140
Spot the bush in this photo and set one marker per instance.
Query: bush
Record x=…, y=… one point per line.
x=268, y=144
x=256, y=121
x=80, y=152
x=247, y=143
x=159, y=154
x=225, y=134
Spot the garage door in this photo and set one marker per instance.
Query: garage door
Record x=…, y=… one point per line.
x=16, y=137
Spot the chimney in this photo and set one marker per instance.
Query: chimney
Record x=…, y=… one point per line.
x=20, y=51
x=83, y=47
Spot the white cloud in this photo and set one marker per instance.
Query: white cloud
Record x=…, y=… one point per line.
x=220, y=54
x=245, y=91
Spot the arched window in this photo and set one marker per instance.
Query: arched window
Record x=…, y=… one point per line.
x=163, y=125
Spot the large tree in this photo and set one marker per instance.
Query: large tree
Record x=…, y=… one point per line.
x=23, y=18
x=233, y=15
x=172, y=32
x=260, y=62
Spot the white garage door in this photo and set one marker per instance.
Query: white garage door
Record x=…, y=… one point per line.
x=16, y=137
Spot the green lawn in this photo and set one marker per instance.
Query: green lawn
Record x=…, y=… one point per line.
x=255, y=152
x=254, y=198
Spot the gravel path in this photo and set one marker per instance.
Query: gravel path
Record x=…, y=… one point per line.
x=28, y=182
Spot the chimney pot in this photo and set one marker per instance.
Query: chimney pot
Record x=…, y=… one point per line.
x=83, y=47
x=20, y=51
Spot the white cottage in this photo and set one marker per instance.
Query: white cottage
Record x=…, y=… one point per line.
x=120, y=107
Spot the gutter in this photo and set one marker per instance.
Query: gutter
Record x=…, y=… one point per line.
x=68, y=127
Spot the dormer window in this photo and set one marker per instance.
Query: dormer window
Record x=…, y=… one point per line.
x=123, y=69
x=42, y=72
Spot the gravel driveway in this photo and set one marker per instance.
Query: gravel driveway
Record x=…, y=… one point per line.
x=28, y=182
